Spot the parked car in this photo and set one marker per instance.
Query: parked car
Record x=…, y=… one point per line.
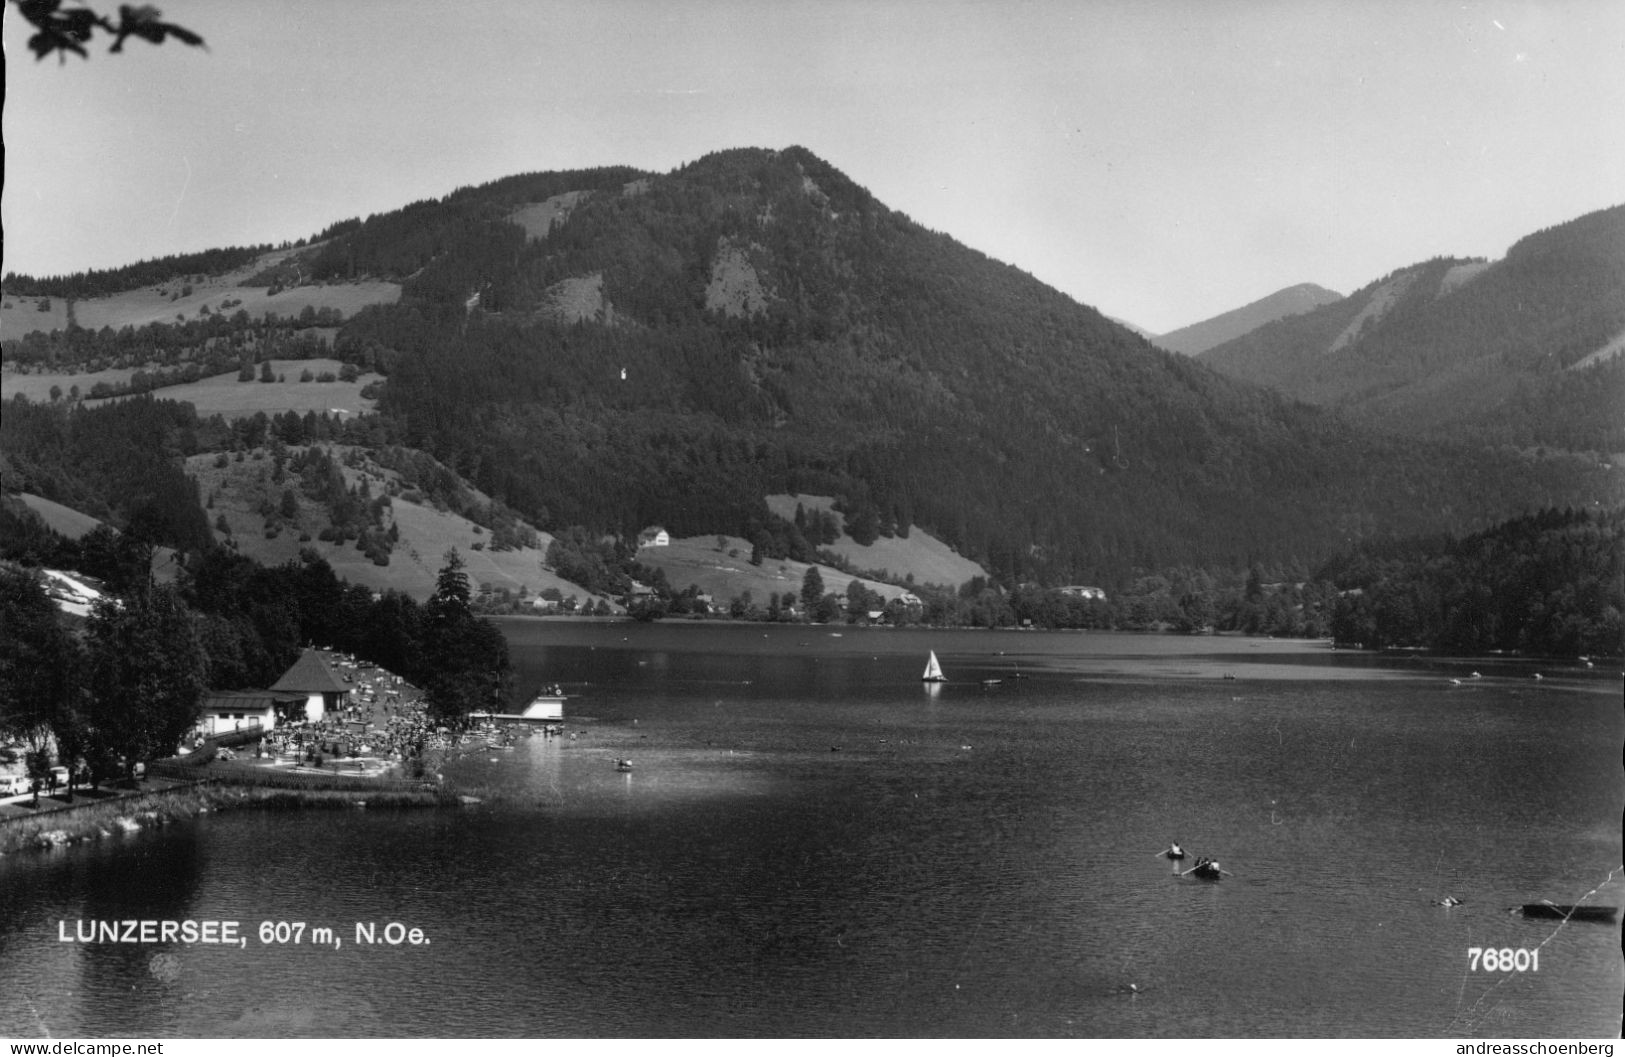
x=14, y=784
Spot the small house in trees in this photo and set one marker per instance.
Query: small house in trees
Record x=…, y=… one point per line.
x=312, y=679
x=654, y=536
x=1079, y=591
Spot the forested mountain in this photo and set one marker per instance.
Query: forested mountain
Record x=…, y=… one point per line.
x=611, y=349
x=1199, y=337
x=1519, y=351
x=757, y=323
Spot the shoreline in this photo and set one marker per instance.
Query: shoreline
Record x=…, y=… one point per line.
x=132, y=814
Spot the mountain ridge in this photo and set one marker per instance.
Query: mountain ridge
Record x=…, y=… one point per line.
x=1197, y=338
x=866, y=358
x=1505, y=352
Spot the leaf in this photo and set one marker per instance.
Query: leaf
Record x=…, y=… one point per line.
x=144, y=22
x=62, y=32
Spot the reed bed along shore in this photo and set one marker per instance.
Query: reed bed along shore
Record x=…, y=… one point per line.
x=125, y=815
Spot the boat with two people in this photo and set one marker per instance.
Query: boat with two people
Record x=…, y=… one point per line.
x=1207, y=870
x=933, y=671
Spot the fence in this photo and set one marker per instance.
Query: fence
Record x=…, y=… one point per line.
x=238, y=737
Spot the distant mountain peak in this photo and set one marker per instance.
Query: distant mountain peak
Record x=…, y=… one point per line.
x=1291, y=301
x=1517, y=351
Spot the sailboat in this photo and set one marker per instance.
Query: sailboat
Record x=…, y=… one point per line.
x=933, y=671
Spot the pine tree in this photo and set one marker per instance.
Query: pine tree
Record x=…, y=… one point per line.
x=812, y=588
x=465, y=657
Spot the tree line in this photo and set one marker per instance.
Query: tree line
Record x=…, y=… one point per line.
x=126, y=684
x=1550, y=583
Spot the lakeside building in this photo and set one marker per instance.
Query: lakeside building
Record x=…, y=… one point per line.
x=312, y=679
x=227, y=710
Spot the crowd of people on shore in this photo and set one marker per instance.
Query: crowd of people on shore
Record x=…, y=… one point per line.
x=383, y=727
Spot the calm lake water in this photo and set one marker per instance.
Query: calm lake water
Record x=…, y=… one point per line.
x=812, y=843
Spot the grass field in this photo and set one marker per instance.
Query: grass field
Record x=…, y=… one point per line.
x=161, y=304
x=58, y=518
x=725, y=573
x=426, y=534
x=222, y=394
x=37, y=387
x=728, y=573
x=930, y=560
x=538, y=218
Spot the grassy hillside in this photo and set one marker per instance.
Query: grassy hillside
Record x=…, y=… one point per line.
x=245, y=496
x=918, y=557
x=186, y=297
x=222, y=394
x=727, y=573
x=61, y=519
x=719, y=565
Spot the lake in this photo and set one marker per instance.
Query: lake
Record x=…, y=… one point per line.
x=811, y=842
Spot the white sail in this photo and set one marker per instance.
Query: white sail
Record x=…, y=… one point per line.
x=933, y=670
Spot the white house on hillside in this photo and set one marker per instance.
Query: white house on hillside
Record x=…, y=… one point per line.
x=654, y=536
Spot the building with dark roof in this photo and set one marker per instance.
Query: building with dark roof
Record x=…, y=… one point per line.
x=311, y=678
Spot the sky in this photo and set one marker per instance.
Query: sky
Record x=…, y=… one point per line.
x=1161, y=160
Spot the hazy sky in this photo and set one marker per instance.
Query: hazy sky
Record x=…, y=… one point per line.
x=1162, y=161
